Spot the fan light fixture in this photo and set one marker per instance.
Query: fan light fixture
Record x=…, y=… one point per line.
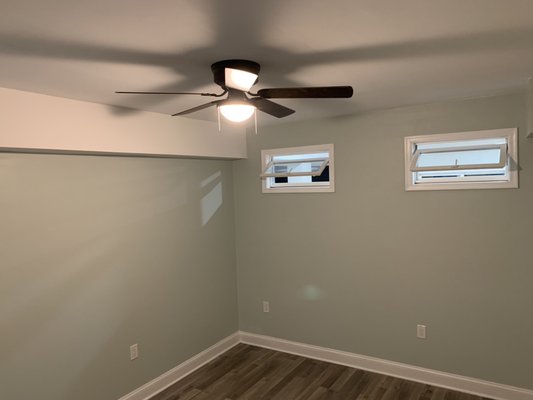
x=236, y=77
x=236, y=112
x=239, y=79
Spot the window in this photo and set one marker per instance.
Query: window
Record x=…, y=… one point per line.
x=467, y=160
x=298, y=169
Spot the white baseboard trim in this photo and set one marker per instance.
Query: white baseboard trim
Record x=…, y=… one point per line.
x=404, y=371
x=442, y=379
x=160, y=383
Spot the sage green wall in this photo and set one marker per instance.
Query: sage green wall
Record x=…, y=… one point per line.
x=357, y=269
x=98, y=253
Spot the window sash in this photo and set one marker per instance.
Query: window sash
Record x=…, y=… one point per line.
x=273, y=163
x=500, y=164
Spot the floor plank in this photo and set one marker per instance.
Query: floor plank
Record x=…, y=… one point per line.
x=252, y=373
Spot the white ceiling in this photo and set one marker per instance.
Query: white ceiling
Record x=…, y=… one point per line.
x=393, y=52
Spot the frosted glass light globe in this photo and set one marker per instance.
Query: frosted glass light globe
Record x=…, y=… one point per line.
x=236, y=112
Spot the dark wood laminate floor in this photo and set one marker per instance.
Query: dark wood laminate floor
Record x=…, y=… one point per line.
x=253, y=373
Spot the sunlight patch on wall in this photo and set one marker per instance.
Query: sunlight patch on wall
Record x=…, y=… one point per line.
x=212, y=201
x=211, y=179
x=312, y=293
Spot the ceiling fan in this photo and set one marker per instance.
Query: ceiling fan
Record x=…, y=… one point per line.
x=236, y=78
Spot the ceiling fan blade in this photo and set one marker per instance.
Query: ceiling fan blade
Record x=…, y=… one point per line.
x=269, y=107
x=199, y=94
x=197, y=108
x=324, y=92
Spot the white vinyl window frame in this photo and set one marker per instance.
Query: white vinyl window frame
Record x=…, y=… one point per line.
x=267, y=161
x=508, y=159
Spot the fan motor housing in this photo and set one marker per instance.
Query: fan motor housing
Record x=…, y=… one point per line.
x=219, y=69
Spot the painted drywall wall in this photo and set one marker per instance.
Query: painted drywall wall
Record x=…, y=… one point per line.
x=358, y=269
x=32, y=121
x=98, y=253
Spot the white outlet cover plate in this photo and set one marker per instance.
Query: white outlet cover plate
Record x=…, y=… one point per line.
x=421, y=331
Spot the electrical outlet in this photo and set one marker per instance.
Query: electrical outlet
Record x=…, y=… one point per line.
x=421, y=331
x=266, y=306
x=134, y=351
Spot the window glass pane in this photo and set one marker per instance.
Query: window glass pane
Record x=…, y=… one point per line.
x=306, y=156
x=299, y=179
x=460, y=143
x=464, y=157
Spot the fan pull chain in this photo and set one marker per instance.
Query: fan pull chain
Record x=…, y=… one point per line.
x=255, y=119
x=218, y=114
